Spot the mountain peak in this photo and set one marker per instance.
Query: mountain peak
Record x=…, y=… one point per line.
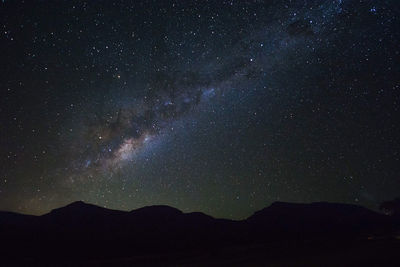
x=79, y=208
x=157, y=209
x=77, y=205
x=315, y=211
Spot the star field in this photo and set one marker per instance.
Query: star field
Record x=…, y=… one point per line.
x=214, y=106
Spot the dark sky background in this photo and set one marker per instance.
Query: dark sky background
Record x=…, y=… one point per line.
x=216, y=106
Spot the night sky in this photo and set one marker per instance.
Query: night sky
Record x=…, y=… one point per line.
x=216, y=106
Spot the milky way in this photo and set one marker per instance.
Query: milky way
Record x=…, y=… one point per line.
x=117, y=139
x=221, y=107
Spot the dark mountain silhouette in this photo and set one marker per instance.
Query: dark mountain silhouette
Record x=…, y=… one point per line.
x=321, y=217
x=86, y=231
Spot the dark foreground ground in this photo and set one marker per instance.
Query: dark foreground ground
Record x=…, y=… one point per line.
x=373, y=253
x=351, y=253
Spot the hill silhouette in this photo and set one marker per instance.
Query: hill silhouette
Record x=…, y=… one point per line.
x=86, y=231
x=320, y=217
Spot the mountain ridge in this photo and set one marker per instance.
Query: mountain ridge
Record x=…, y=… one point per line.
x=280, y=204
x=89, y=231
